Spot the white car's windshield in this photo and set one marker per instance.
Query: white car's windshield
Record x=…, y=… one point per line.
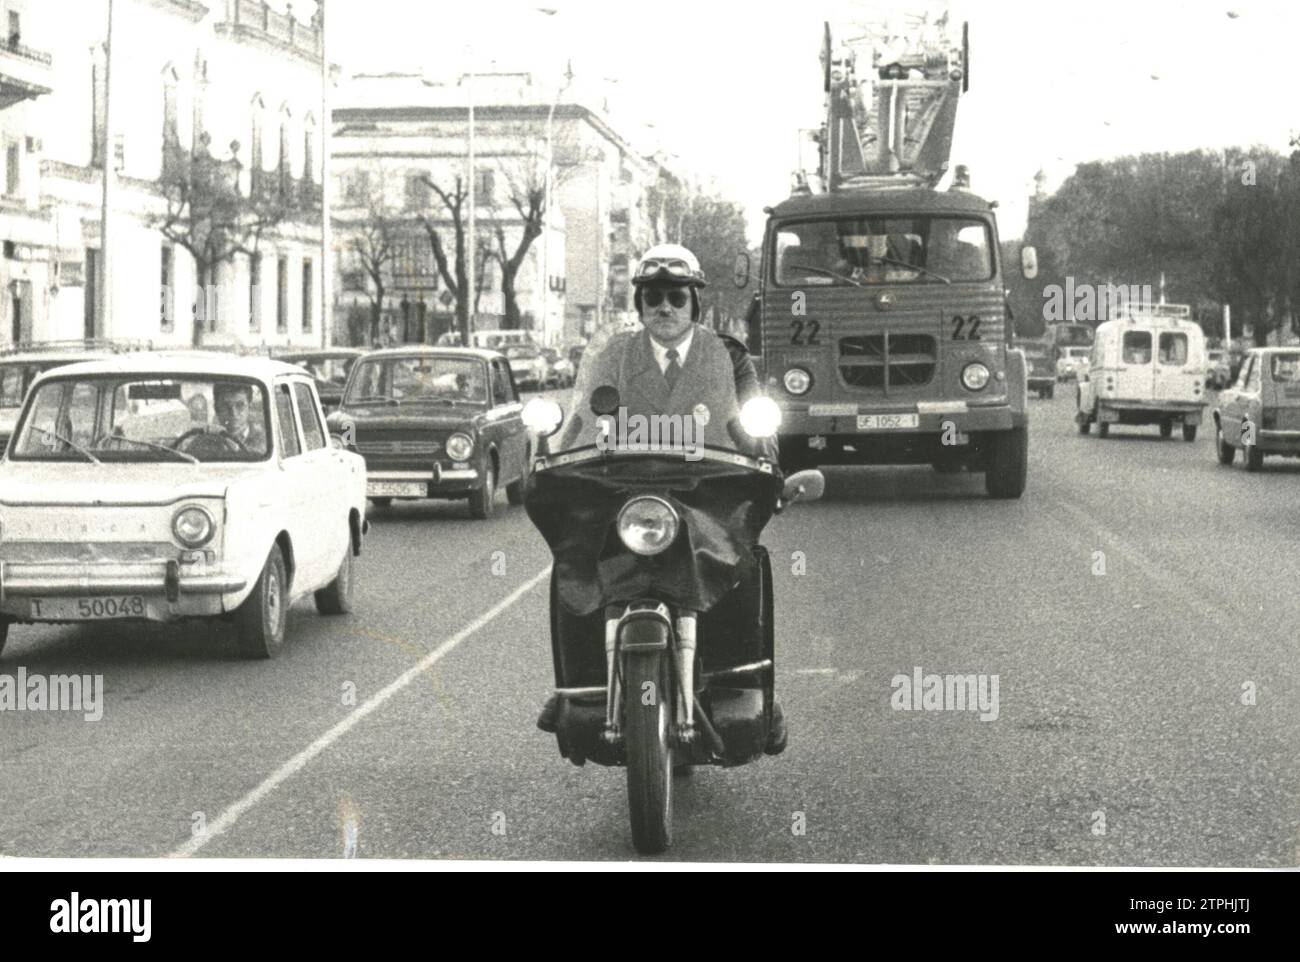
x=145, y=418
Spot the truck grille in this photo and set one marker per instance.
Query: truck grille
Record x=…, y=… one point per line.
x=887, y=360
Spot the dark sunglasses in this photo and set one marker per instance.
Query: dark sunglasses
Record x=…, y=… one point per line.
x=676, y=297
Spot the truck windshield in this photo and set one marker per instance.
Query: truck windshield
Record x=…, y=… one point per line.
x=883, y=250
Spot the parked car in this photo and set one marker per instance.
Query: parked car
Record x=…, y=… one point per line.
x=1072, y=365
x=436, y=422
x=163, y=487
x=1039, y=367
x=19, y=370
x=1260, y=412
x=1148, y=369
x=329, y=367
x=527, y=365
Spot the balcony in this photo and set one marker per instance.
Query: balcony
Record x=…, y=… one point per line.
x=24, y=73
x=255, y=23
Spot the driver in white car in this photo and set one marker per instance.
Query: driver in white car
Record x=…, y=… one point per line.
x=233, y=402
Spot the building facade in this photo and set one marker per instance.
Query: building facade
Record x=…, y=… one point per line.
x=399, y=129
x=239, y=79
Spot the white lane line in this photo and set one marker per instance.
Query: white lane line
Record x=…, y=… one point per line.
x=300, y=761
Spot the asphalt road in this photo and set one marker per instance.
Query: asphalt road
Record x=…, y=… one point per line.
x=1124, y=731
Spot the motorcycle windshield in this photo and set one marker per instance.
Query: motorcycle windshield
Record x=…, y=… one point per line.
x=661, y=432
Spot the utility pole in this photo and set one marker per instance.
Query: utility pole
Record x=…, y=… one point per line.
x=326, y=231
x=545, y=300
x=471, y=242
x=109, y=159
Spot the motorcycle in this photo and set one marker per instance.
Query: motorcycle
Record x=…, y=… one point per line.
x=661, y=607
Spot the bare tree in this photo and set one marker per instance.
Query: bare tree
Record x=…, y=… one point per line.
x=208, y=215
x=374, y=244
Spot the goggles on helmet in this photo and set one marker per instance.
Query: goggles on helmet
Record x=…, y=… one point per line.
x=668, y=269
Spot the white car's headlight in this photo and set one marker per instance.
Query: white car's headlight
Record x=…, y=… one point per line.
x=460, y=447
x=647, y=525
x=797, y=380
x=760, y=417
x=543, y=415
x=974, y=377
x=193, y=526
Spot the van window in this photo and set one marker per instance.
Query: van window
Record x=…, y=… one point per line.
x=1137, y=347
x=1244, y=374
x=1173, y=349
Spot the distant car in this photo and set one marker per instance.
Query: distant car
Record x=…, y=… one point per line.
x=560, y=368
x=329, y=367
x=1260, y=412
x=1039, y=367
x=527, y=365
x=436, y=422
x=161, y=487
x=1072, y=365
x=1216, y=369
x=17, y=371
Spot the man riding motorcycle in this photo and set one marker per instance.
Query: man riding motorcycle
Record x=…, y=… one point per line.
x=676, y=367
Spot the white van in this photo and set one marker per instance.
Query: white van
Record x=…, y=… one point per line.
x=500, y=340
x=1147, y=368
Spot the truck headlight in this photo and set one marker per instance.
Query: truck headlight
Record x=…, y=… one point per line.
x=647, y=525
x=974, y=377
x=460, y=447
x=797, y=380
x=193, y=526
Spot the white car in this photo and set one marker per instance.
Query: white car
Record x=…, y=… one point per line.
x=163, y=487
x=1072, y=364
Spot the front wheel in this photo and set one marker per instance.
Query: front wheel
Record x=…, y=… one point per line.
x=1189, y=432
x=1103, y=430
x=648, y=701
x=1225, y=451
x=1253, y=457
x=515, y=489
x=1167, y=429
x=336, y=597
x=1008, y=466
x=262, y=618
x=483, y=502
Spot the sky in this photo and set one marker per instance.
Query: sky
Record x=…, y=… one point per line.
x=725, y=86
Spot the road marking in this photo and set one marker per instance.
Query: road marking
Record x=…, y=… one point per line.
x=300, y=761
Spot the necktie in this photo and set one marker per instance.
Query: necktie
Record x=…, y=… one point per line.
x=673, y=371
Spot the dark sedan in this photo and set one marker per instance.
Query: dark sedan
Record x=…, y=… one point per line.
x=436, y=422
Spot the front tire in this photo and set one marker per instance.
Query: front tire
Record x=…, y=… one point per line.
x=1189, y=432
x=1103, y=430
x=263, y=617
x=1253, y=457
x=1008, y=466
x=483, y=502
x=336, y=597
x=515, y=490
x=647, y=731
x=1225, y=451
x=1166, y=429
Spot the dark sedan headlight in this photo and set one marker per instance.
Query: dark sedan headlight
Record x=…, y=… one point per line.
x=460, y=447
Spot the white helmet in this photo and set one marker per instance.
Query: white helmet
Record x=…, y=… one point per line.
x=669, y=263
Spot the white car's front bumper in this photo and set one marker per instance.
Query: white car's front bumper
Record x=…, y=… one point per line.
x=168, y=589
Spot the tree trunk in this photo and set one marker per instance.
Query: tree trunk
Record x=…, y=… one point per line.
x=376, y=315
x=199, y=308
x=512, y=320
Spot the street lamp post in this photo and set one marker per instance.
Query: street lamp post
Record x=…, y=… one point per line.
x=108, y=157
x=545, y=299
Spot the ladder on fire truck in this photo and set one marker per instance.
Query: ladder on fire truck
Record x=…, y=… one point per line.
x=892, y=88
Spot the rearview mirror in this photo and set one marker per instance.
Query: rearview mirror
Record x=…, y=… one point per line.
x=1029, y=262
x=740, y=273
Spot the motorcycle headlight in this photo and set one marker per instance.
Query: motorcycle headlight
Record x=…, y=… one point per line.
x=543, y=415
x=460, y=447
x=647, y=525
x=760, y=417
x=974, y=377
x=797, y=380
x=193, y=526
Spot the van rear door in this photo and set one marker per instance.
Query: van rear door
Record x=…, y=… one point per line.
x=1134, y=375
x=1177, y=370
